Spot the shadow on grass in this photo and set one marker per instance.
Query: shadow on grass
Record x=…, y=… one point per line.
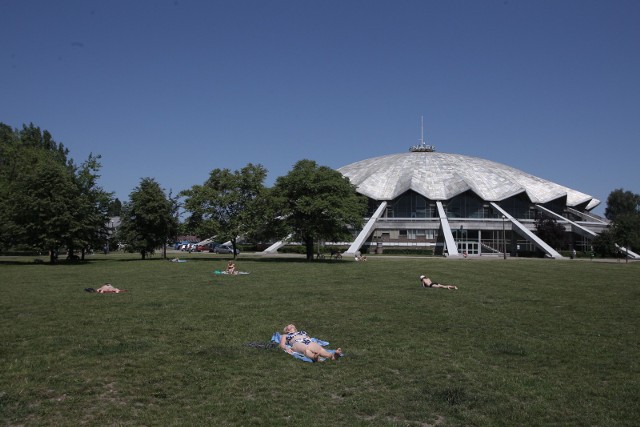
x=453, y=396
x=507, y=349
x=37, y=261
x=85, y=262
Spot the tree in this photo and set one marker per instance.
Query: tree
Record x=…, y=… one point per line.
x=115, y=208
x=549, y=230
x=604, y=244
x=90, y=209
x=40, y=212
x=621, y=202
x=317, y=202
x=148, y=219
x=46, y=201
x=626, y=230
x=623, y=209
x=8, y=146
x=228, y=204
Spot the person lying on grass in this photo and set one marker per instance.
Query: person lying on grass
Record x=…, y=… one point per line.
x=108, y=289
x=427, y=283
x=301, y=343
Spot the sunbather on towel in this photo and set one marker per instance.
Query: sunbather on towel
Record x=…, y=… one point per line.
x=108, y=289
x=300, y=342
x=231, y=268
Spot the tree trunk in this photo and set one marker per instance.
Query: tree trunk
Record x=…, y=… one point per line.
x=52, y=256
x=309, y=245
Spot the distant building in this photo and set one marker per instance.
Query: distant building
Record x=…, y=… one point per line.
x=113, y=225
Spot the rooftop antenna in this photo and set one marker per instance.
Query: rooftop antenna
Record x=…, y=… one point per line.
x=422, y=147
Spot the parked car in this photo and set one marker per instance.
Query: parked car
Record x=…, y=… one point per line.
x=225, y=249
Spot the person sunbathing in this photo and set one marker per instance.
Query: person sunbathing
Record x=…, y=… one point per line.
x=108, y=289
x=300, y=342
x=231, y=268
x=427, y=283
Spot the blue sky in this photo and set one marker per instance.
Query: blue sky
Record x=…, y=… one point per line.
x=172, y=89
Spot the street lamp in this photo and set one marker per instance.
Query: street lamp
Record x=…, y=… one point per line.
x=504, y=238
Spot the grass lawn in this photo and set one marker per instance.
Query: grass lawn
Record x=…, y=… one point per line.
x=523, y=342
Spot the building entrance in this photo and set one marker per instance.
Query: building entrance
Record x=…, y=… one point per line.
x=471, y=248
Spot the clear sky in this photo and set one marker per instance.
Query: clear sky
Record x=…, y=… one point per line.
x=172, y=89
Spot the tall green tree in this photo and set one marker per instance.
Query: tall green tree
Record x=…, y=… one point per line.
x=229, y=204
x=8, y=147
x=148, y=219
x=623, y=209
x=90, y=209
x=46, y=202
x=318, y=203
x=41, y=194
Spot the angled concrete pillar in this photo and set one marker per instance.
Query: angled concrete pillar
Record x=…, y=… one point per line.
x=452, y=248
x=367, y=230
x=528, y=234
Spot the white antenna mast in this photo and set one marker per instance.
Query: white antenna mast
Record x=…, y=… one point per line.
x=423, y=147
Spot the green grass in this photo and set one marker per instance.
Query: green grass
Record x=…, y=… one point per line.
x=523, y=342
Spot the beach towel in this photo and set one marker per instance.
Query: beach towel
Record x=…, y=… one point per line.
x=276, y=339
x=226, y=273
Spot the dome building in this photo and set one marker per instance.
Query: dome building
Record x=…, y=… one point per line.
x=461, y=205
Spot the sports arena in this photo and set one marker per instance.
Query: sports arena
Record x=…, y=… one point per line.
x=459, y=205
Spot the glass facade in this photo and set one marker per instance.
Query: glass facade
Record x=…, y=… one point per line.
x=412, y=220
x=411, y=205
x=467, y=205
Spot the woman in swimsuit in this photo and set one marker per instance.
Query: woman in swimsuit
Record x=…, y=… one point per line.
x=427, y=283
x=300, y=342
x=231, y=268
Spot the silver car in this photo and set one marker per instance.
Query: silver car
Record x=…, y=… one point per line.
x=225, y=249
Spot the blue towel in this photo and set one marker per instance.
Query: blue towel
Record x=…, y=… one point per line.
x=276, y=338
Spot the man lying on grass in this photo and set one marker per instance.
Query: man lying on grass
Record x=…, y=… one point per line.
x=427, y=283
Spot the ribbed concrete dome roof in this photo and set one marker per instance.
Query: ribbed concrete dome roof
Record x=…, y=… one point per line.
x=441, y=176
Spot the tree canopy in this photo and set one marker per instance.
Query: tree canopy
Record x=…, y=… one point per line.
x=623, y=209
x=318, y=203
x=149, y=219
x=46, y=201
x=621, y=202
x=229, y=204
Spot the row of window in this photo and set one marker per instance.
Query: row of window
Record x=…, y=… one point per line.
x=466, y=205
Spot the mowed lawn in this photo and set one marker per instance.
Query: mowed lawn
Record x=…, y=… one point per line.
x=523, y=342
